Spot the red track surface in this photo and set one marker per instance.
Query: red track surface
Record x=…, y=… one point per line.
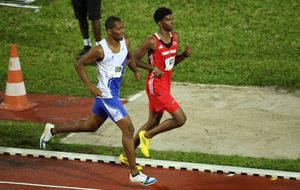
x=52, y=109
x=115, y=177
x=56, y=109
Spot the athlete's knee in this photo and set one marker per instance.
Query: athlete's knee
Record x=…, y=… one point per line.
x=181, y=120
x=92, y=128
x=153, y=123
x=131, y=130
x=128, y=129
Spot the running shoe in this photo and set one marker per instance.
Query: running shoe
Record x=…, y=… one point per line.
x=123, y=159
x=144, y=143
x=46, y=136
x=142, y=179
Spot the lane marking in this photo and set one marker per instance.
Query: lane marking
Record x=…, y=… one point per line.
x=136, y=96
x=48, y=186
x=154, y=163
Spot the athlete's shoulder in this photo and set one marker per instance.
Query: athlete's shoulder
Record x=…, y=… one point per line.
x=175, y=34
x=150, y=41
x=103, y=42
x=127, y=43
x=98, y=51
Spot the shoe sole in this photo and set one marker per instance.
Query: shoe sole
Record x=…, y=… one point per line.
x=144, y=183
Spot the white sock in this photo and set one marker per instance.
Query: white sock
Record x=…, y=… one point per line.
x=97, y=43
x=87, y=42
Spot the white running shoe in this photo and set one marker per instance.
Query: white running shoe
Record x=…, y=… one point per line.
x=46, y=136
x=142, y=179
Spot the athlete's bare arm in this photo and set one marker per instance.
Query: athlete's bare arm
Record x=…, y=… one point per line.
x=88, y=58
x=147, y=45
x=186, y=53
x=131, y=62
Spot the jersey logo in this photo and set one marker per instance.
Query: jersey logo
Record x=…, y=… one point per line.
x=160, y=47
x=168, y=52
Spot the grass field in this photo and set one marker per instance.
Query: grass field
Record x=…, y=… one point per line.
x=234, y=42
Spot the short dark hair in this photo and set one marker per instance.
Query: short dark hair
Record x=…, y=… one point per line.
x=160, y=13
x=110, y=22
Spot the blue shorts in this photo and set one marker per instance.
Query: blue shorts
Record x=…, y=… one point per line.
x=111, y=107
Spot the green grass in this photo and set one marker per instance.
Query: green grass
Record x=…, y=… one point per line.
x=26, y=135
x=234, y=42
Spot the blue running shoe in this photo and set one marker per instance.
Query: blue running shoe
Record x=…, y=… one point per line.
x=142, y=179
x=46, y=136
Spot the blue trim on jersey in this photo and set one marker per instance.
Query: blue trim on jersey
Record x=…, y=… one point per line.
x=114, y=84
x=109, y=103
x=109, y=76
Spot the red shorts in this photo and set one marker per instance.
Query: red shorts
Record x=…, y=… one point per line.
x=162, y=101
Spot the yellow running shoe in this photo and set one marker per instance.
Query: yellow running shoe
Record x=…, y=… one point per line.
x=144, y=143
x=123, y=159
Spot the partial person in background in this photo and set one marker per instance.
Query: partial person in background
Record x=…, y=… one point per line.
x=85, y=10
x=162, y=50
x=112, y=54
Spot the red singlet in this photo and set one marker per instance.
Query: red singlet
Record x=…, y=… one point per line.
x=158, y=89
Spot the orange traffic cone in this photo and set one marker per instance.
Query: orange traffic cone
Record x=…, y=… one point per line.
x=15, y=94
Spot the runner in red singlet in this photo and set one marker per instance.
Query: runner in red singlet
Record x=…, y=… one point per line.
x=162, y=48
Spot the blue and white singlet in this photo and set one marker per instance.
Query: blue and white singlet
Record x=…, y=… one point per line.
x=110, y=69
x=109, y=74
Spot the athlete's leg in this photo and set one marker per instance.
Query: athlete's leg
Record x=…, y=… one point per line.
x=94, y=15
x=90, y=125
x=84, y=27
x=153, y=120
x=96, y=30
x=80, y=12
x=127, y=129
x=178, y=119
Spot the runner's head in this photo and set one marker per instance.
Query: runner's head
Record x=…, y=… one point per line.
x=164, y=18
x=115, y=28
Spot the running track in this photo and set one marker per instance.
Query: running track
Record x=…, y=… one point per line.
x=31, y=173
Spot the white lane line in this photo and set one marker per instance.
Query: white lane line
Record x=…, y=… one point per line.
x=152, y=163
x=48, y=186
x=136, y=96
